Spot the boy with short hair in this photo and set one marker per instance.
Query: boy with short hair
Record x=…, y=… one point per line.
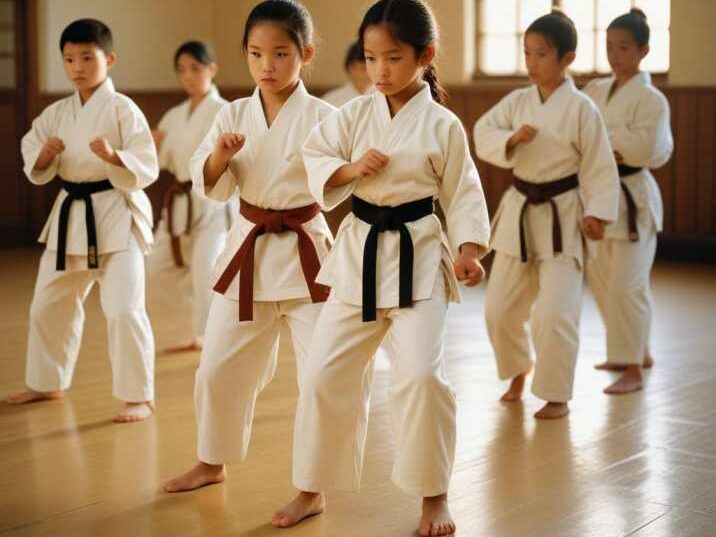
x=99, y=145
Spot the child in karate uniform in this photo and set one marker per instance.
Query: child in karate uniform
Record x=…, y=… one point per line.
x=97, y=142
x=565, y=187
x=392, y=270
x=637, y=120
x=193, y=229
x=266, y=274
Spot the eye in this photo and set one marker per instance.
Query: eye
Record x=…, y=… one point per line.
x=255, y=54
x=395, y=59
x=370, y=58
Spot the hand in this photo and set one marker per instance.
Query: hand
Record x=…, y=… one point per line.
x=524, y=135
x=227, y=145
x=370, y=163
x=101, y=148
x=468, y=269
x=593, y=228
x=53, y=147
x=619, y=158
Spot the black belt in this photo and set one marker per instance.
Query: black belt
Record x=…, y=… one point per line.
x=536, y=194
x=388, y=219
x=75, y=192
x=632, y=211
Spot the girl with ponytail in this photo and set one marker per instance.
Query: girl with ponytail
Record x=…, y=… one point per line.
x=392, y=270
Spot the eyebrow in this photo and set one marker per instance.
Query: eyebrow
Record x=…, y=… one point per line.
x=255, y=47
x=368, y=51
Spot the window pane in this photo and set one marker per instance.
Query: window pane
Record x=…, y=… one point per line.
x=7, y=73
x=6, y=18
x=498, y=54
x=658, y=12
x=657, y=61
x=531, y=9
x=585, y=53
x=581, y=12
x=7, y=42
x=602, y=62
x=498, y=16
x=609, y=10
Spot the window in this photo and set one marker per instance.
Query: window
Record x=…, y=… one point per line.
x=7, y=45
x=502, y=24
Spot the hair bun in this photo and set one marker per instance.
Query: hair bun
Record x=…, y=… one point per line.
x=638, y=12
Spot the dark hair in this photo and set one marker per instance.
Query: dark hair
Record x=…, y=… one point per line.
x=411, y=22
x=635, y=23
x=88, y=31
x=558, y=29
x=200, y=51
x=292, y=16
x=354, y=54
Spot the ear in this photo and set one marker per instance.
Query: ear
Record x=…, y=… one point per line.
x=643, y=51
x=213, y=69
x=428, y=55
x=111, y=60
x=566, y=60
x=309, y=51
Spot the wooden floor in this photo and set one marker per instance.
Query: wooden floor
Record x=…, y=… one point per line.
x=642, y=465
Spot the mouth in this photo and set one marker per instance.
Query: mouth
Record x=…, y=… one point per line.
x=383, y=84
x=268, y=80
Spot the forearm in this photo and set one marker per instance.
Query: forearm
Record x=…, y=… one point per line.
x=213, y=169
x=342, y=176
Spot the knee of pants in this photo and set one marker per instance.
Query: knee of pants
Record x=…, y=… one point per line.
x=421, y=380
x=552, y=316
x=496, y=313
x=120, y=312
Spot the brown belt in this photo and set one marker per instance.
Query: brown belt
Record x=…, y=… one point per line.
x=632, y=211
x=178, y=189
x=272, y=221
x=536, y=194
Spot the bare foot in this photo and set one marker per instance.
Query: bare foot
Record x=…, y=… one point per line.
x=306, y=504
x=30, y=396
x=436, y=519
x=201, y=475
x=629, y=381
x=189, y=347
x=135, y=412
x=610, y=366
x=514, y=392
x=552, y=411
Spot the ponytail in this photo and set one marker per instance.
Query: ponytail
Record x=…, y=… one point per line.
x=430, y=75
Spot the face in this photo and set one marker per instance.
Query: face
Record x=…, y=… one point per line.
x=542, y=61
x=274, y=59
x=623, y=53
x=195, y=77
x=358, y=75
x=392, y=65
x=86, y=65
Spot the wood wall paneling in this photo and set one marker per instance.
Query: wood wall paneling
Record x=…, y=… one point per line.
x=687, y=181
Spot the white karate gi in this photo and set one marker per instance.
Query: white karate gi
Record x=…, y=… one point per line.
x=637, y=121
x=571, y=139
x=239, y=358
x=124, y=232
x=191, y=284
x=341, y=95
x=429, y=157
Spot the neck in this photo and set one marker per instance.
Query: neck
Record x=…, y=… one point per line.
x=547, y=89
x=398, y=100
x=280, y=97
x=85, y=94
x=197, y=98
x=623, y=78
